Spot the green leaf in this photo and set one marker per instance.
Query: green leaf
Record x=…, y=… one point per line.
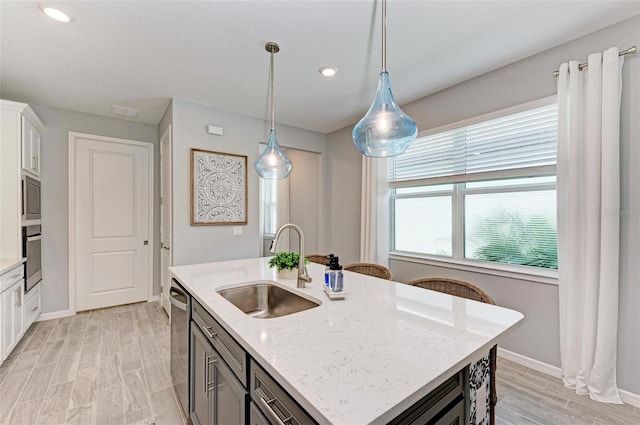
x=285, y=260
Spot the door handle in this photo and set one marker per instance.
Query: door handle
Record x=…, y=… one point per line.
x=180, y=305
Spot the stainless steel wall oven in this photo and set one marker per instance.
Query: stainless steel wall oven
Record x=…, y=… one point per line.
x=30, y=198
x=31, y=249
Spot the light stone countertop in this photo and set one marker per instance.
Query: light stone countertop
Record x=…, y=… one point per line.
x=10, y=263
x=361, y=360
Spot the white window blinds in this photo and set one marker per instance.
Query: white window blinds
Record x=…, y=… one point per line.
x=524, y=142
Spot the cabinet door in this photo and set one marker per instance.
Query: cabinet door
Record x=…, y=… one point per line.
x=31, y=307
x=11, y=318
x=230, y=396
x=18, y=320
x=7, y=322
x=30, y=147
x=202, y=359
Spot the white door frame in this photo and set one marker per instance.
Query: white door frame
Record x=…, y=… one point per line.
x=72, y=213
x=164, y=191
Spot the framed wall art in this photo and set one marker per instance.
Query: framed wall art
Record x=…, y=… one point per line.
x=218, y=188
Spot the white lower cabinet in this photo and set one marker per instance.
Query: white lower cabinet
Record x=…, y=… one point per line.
x=11, y=310
x=32, y=306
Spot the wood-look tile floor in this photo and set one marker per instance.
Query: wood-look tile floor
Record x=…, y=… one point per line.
x=528, y=397
x=111, y=366
x=103, y=367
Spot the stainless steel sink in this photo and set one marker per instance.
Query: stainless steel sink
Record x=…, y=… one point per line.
x=264, y=300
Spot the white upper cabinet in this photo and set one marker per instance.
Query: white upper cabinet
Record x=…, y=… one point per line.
x=30, y=147
x=20, y=131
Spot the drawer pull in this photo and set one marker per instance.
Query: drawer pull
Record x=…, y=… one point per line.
x=15, y=275
x=34, y=308
x=209, y=332
x=267, y=407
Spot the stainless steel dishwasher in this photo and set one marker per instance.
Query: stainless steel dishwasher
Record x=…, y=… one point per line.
x=180, y=311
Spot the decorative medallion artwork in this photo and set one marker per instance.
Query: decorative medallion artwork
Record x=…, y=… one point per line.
x=480, y=392
x=218, y=188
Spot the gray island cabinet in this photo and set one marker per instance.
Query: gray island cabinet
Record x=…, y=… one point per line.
x=388, y=353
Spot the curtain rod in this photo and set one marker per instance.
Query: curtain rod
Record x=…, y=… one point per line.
x=630, y=51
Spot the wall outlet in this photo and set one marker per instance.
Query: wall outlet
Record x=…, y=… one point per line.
x=237, y=230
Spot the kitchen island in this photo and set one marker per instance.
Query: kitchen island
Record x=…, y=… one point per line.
x=364, y=359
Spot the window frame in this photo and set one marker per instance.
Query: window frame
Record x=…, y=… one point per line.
x=458, y=193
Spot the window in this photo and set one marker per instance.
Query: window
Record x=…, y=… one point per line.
x=481, y=192
x=270, y=204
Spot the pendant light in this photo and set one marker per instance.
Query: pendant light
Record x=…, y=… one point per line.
x=385, y=130
x=272, y=164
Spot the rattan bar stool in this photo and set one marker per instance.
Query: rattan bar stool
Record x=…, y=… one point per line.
x=469, y=291
x=371, y=269
x=318, y=258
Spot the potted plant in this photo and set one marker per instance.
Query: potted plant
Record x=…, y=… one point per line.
x=287, y=264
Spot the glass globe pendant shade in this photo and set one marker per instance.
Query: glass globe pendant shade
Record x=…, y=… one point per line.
x=385, y=130
x=272, y=164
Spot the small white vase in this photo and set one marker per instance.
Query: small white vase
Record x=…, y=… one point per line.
x=288, y=274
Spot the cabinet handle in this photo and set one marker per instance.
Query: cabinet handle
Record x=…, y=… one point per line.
x=209, y=332
x=206, y=361
x=34, y=163
x=15, y=275
x=266, y=404
x=211, y=385
x=206, y=372
x=34, y=308
x=19, y=298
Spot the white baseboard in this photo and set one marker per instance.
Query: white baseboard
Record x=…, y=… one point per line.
x=55, y=315
x=154, y=298
x=630, y=398
x=530, y=363
x=626, y=396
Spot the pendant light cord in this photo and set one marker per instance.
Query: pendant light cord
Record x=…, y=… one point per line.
x=273, y=87
x=384, y=35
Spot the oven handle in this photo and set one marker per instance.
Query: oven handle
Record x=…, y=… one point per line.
x=34, y=238
x=24, y=199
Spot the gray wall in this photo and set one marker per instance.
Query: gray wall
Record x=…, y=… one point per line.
x=519, y=82
x=199, y=244
x=55, y=193
x=344, y=183
x=305, y=200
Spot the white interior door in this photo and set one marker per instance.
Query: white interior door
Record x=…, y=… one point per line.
x=111, y=220
x=166, y=258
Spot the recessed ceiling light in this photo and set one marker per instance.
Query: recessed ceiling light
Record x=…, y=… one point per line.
x=55, y=14
x=328, y=71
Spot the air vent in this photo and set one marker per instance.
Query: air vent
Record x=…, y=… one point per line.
x=124, y=111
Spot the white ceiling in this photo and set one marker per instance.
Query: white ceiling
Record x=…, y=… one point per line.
x=141, y=53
